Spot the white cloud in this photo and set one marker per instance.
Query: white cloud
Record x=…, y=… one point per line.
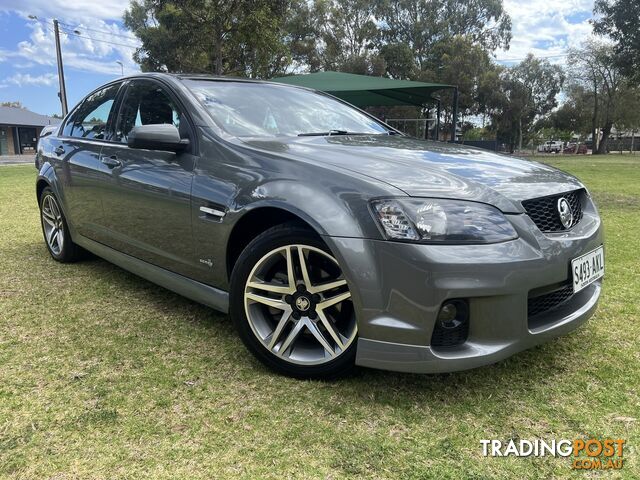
x=92, y=37
x=68, y=10
x=24, y=65
x=546, y=28
x=21, y=79
x=92, y=46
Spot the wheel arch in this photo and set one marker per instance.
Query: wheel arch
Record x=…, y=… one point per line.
x=41, y=184
x=46, y=178
x=256, y=221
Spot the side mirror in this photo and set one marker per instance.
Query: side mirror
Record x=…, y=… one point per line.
x=157, y=137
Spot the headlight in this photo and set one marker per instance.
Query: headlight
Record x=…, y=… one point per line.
x=436, y=220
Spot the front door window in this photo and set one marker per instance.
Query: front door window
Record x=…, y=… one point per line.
x=91, y=117
x=146, y=103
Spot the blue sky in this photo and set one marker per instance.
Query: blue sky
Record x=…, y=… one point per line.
x=27, y=53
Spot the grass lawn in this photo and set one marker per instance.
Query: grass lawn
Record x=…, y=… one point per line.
x=104, y=375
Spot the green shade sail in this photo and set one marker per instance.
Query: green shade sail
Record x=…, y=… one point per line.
x=364, y=91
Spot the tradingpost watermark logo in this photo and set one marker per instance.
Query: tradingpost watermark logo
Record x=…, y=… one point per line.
x=590, y=454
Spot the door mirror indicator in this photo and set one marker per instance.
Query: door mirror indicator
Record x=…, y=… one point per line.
x=157, y=137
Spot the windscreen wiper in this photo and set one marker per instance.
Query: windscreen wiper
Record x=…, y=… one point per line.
x=330, y=133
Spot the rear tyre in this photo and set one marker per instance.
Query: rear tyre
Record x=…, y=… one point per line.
x=292, y=306
x=55, y=229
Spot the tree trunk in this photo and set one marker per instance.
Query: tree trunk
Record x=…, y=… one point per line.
x=217, y=66
x=594, y=120
x=606, y=131
x=519, y=134
x=633, y=133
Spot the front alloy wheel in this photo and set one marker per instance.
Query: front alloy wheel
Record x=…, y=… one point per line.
x=297, y=305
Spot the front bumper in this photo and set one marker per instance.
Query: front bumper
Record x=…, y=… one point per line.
x=398, y=288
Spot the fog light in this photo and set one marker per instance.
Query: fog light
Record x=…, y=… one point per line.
x=453, y=313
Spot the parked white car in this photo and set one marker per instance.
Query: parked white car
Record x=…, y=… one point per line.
x=552, y=146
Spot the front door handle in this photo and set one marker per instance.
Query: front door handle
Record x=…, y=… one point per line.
x=59, y=150
x=112, y=161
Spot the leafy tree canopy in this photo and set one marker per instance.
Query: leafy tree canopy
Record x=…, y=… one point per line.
x=239, y=37
x=419, y=26
x=525, y=93
x=619, y=20
x=595, y=67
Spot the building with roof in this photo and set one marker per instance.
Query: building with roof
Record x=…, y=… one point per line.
x=20, y=128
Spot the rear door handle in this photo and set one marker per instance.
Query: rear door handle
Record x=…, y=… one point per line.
x=112, y=161
x=59, y=150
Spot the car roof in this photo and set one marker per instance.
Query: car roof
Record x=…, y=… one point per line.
x=194, y=76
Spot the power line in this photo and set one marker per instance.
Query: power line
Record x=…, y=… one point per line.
x=71, y=32
x=101, y=41
x=130, y=37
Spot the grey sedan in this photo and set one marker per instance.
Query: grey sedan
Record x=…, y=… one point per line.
x=330, y=238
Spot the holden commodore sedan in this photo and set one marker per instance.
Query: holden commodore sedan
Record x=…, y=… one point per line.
x=330, y=238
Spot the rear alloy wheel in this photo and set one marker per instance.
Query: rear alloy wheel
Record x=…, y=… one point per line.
x=55, y=229
x=297, y=313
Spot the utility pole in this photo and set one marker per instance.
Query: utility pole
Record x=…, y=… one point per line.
x=63, y=91
x=62, y=94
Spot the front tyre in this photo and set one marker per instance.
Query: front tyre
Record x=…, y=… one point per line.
x=56, y=230
x=292, y=306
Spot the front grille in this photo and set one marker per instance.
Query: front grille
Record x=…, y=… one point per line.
x=548, y=301
x=544, y=211
x=449, y=337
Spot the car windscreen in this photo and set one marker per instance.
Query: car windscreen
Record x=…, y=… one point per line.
x=246, y=109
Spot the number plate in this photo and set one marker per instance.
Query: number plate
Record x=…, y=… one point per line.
x=587, y=268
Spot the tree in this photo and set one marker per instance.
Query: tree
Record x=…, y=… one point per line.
x=529, y=91
x=595, y=65
x=476, y=133
x=628, y=115
x=338, y=35
x=574, y=115
x=619, y=20
x=444, y=41
x=240, y=37
x=418, y=26
x=466, y=65
x=489, y=96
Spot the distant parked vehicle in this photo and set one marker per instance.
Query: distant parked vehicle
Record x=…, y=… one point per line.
x=552, y=146
x=571, y=149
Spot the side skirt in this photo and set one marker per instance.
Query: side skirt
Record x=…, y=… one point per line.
x=180, y=284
